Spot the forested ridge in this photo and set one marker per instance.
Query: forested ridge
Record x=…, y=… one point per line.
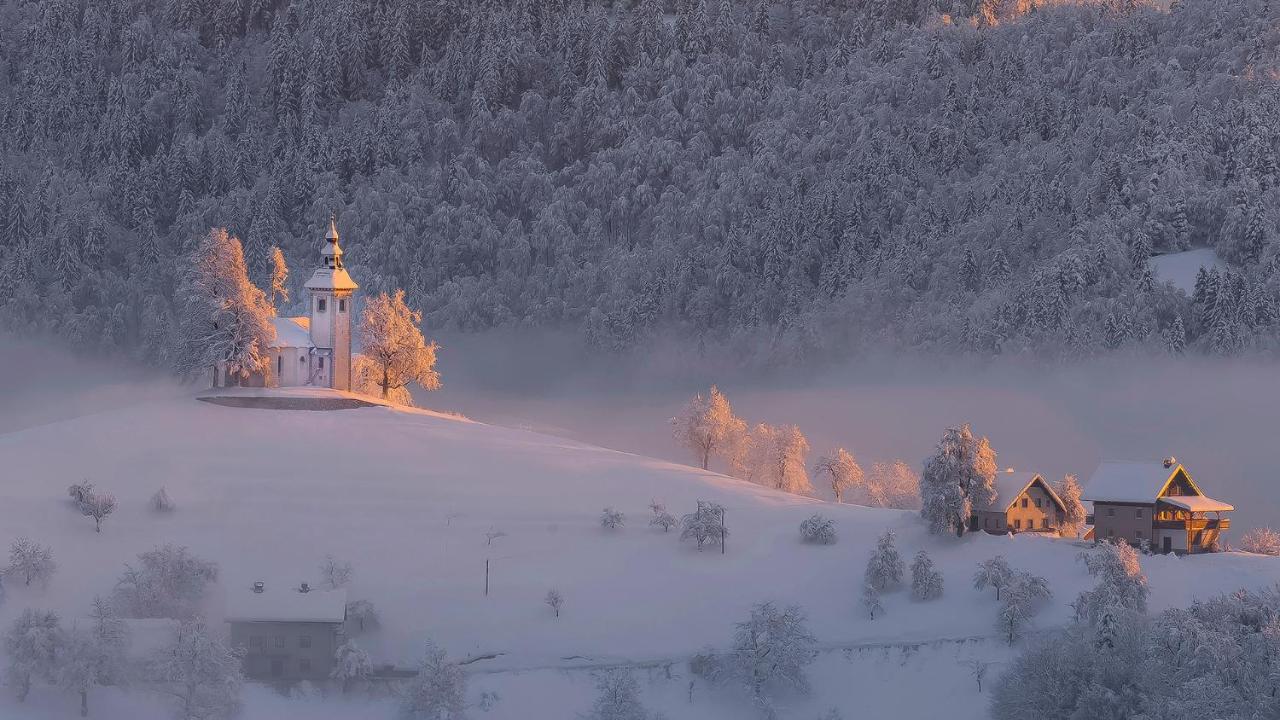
x=795, y=179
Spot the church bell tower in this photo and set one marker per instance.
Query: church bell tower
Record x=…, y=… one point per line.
x=330, y=289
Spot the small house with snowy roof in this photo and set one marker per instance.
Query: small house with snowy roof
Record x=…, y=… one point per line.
x=1154, y=503
x=287, y=634
x=1024, y=502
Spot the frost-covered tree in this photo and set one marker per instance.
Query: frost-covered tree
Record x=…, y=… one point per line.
x=661, y=518
x=166, y=582
x=786, y=468
x=361, y=616
x=706, y=523
x=1074, y=519
x=1263, y=541
x=351, y=665
x=391, y=337
x=554, y=600
x=32, y=646
x=438, y=692
x=85, y=662
x=841, y=470
x=771, y=650
x=161, y=502
x=1121, y=585
x=199, y=672
x=994, y=573
x=618, y=697
x=871, y=600
x=893, y=485
x=335, y=574
x=79, y=492
x=611, y=519
x=30, y=560
x=98, y=506
x=818, y=529
x=111, y=636
x=926, y=581
x=960, y=474
x=885, y=567
x=1023, y=597
x=706, y=426
x=224, y=318
x=279, y=277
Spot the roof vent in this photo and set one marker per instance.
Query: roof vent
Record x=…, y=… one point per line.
x=305, y=588
x=1170, y=461
x=259, y=587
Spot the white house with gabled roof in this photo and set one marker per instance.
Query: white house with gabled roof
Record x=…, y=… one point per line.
x=1155, y=503
x=1024, y=502
x=287, y=634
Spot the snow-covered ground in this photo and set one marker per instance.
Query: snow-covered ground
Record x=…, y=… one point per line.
x=1181, y=268
x=408, y=498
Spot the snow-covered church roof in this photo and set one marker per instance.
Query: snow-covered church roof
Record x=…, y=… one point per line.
x=1012, y=483
x=292, y=332
x=277, y=602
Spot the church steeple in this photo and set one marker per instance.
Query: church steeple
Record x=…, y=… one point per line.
x=331, y=290
x=332, y=251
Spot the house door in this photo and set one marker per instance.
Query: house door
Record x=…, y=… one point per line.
x=277, y=667
x=1167, y=546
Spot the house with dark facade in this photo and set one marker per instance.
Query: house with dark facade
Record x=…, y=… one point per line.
x=1024, y=502
x=287, y=634
x=1156, y=504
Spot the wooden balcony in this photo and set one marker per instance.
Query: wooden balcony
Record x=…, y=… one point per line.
x=1193, y=524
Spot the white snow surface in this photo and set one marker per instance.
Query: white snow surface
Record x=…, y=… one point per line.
x=1180, y=268
x=292, y=331
x=1133, y=482
x=408, y=496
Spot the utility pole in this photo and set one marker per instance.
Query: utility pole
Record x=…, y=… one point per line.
x=486, y=577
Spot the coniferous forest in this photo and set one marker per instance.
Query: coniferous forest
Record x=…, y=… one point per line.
x=793, y=179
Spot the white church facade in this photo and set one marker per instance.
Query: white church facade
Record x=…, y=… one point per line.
x=314, y=349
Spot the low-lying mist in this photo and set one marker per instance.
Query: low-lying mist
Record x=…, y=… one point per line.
x=1218, y=417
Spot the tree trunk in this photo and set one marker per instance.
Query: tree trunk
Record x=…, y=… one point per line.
x=706, y=456
x=84, y=703
x=386, y=382
x=97, y=524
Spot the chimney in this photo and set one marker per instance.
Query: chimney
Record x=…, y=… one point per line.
x=1170, y=461
x=259, y=587
x=305, y=588
x=1009, y=470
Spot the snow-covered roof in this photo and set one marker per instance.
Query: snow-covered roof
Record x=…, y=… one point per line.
x=292, y=332
x=279, y=602
x=1131, y=482
x=1197, y=503
x=326, y=278
x=1010, y=484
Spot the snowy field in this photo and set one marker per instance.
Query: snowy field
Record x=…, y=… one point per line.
x=1181, y=268
x=408, y=498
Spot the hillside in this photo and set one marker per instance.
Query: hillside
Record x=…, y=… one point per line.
x=977, y=176
x=407, y=497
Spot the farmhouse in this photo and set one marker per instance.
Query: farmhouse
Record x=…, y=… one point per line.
x=287, y=634
x=313, y=349
x=1024, y=502
x=1154, y=503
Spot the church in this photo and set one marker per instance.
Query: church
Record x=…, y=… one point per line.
x=314, y=349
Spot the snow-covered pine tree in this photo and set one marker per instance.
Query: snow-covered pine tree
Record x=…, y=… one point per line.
x=438, y=692
x=611, y=519
x=351, y=665
x=842, y=470
x=818, y=529
x=994, y=573
x=1121, y=585
x=30, y=561
x=1022, y=598
x=959, y=475
x=707, y=427
x=926, y=581
x=392, y=341
x=885, y=567
x=32, y=645
x=771, y=650
x=279, y=277
x=200, y=673
x=1073, y=520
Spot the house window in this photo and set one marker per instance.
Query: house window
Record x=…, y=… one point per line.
x=302, y=360
x=256, y=642
x=1037, y=502
x=279, y=642
x=1044, y=523
x=1139, y=515
x=321, y=359
x=279, y=364
x=304, y=666
x=342, y=305
x=1017, y=524
x=1024, y=502
x=320, y=304
x=1139, y=534
x=304, y=641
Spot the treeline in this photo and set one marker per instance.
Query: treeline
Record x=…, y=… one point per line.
x=782, y=178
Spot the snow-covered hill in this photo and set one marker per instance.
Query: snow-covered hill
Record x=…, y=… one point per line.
x=408, y=498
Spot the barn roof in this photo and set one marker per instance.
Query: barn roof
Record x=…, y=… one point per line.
x=1132, y=482
x=280, y=603
x=1011, y=483
x=292, y=332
